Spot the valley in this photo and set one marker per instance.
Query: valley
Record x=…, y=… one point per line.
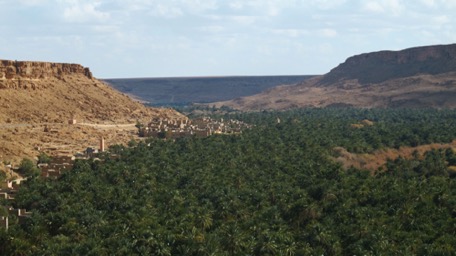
x=278, y=184
x=359, y=161
x=181, y=91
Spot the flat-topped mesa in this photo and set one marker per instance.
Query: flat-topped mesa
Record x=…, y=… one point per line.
x=30, y=70
x=378, y=67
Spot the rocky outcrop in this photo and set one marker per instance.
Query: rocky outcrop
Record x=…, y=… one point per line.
x=11, y=70
x=378, y=67
x=421, y=77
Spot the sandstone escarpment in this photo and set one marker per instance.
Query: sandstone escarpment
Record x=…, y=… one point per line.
x=421, y=77
x=23, y=74
x=378, y=67
x=36, y=92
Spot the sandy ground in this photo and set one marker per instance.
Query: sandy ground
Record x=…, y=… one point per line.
x=28, y=140
x=110, y=126
x=379, y=157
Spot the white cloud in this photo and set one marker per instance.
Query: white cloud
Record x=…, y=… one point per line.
x=244, y=20
x=394, y=7
x=83, y=11
x=449, y=3
x=198, y=30
x=328, y=32
x=263, y=7
x=237, y=5
x=33, y=2
x=212, y=29
x=441, y=20
x=199, y=5
x=439, y=3
x=170, y=8
x=290, y=32
x=327, y=4
x=429, y=3
x=166, y=11
x=105, y=29
x=373, y=7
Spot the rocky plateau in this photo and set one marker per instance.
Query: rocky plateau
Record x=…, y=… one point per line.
x=419, y=77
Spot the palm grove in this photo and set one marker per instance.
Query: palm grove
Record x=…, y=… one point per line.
x=272, y=190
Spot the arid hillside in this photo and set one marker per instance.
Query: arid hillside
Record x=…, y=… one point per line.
x=415, y=77
x=39, y=96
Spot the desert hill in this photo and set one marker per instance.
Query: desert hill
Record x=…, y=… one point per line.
x=38, y=96
x=34, y=92
x=378, y=67
x=415, y=77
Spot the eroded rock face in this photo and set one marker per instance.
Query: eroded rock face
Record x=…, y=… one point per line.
x=378, y=67
x=420, y=77
x=29, y=70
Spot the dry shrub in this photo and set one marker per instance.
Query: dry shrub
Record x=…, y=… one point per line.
x=367, y=122
x=379, y=158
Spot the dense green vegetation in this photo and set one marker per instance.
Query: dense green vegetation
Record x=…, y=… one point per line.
x=272, y=190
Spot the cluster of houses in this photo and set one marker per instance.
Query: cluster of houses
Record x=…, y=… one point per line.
x=201, y=127
x=56, y=166
x=53, y=169
x=59, y=164
x=8, y=192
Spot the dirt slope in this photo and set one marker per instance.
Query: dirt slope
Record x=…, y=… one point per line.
x=39, y=96
x=379, y=158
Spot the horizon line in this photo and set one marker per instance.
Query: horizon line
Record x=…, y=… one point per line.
x=210, y=76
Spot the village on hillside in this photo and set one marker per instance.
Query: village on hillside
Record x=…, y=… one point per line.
x=58, y=163
x=200, y=127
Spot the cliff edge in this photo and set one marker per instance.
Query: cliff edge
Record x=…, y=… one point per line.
x=36, y=92
x=22, y=74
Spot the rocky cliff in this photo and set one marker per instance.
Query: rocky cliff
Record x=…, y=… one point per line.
x=45, y=91
x=413, y=78
x=21, y=74
x=378, y=67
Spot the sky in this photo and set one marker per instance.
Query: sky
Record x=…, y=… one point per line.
x=174, y=38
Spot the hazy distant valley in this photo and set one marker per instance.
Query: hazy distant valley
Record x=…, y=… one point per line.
x=180, y=91
x=419, y=77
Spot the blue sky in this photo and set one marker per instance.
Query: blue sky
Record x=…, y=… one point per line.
x=162, y=38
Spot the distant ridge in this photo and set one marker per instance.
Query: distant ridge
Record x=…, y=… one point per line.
x=185, y=90
x=416, y=77
x=378, y=67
